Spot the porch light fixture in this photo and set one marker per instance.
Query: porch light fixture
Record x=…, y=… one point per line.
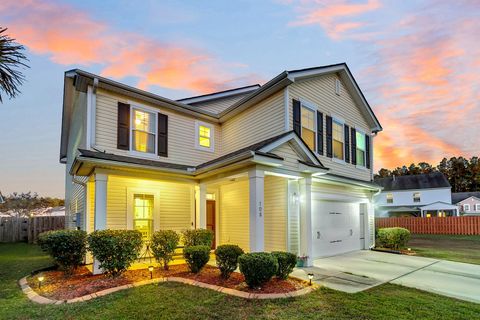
x=310, y=277
x=295, y=198
x=150, y=268
x=40, y=278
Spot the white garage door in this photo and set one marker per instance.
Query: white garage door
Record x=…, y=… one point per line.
x=337, y=228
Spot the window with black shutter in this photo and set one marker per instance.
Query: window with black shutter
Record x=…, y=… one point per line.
x=123, y=126
x=347, y=143
x=329, y=136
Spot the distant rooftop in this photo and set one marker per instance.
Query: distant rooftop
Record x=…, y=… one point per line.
x=460, y=196
x=410, y=182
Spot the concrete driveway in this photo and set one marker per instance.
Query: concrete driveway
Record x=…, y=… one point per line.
x=361, y=270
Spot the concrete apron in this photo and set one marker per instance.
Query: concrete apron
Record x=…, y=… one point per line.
x=361, y=270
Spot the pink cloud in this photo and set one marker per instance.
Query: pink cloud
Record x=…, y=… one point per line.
x=70, y=36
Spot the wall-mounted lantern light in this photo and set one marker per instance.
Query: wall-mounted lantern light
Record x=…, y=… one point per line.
x=150, y=268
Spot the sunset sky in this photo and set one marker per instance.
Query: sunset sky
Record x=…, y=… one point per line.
x=417, y=62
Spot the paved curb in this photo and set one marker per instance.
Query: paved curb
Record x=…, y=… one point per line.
x=35, y=297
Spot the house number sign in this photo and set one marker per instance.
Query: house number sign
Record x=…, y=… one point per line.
x=260, y=209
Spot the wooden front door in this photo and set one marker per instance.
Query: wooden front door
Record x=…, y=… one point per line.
x=211, y=219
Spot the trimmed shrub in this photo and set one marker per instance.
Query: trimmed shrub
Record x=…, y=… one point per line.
x=66, y=247
x=257, y=268
x=286, y=262
x=393, y=238
x=115, y=250
x=196, y=257
x=197, y=237
x=164, y=243
x=227, y=258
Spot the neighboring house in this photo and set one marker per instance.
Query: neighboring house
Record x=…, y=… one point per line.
x=468, y=202
x=422, y=195
x=283, y=166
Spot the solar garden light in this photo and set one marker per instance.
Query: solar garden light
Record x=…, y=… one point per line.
x=310, y=277
x=150, y=268
x=40, y=278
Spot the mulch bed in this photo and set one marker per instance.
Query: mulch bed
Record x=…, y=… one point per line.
x=83, y=282
x=400, y=251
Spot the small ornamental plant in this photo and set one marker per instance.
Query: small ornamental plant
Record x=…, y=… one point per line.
x=197, y=237
x=196, y=257
x=393, y=238
x=301, y=260
x=163, y=245
x=286, y=263
x=115, y=250
x=257, y=268
x=227, y=258
x=66, y=247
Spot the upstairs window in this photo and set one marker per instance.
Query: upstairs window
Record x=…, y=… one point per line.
x=338, y=139
x=144, y=131
x=204, y=136
x=416, y=197
x=361, y=147
x=389, y=197
x=308, y=127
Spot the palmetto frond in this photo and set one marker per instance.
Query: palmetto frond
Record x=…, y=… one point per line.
x=11, y=59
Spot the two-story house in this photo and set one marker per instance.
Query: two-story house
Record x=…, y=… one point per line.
x=282, y=166
x=468, y=202
x=422, y=195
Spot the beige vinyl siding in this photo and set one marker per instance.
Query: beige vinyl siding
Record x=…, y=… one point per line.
x=218, y=105
x=234, y=214
x=290, y=157
x=320, y=91
x=181, y=132
x=176, y=202
x=275, y=199
x=326, y=189
x=259, y=122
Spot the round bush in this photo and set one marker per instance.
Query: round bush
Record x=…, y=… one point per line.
x=286, y=262
x=227, y=258
x=196, y=257
x=257, y=268
x=66, y=247
x=393, y=238
x=197, y=237
x=115, y=250
x=164, y=243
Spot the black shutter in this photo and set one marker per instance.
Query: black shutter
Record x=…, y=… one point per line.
x=329, y=136
x=162, y=148
x=347, y=143
x=297, y=127
x=123, y=126
x=367, y=151
x=320, y=133
x=354, y=146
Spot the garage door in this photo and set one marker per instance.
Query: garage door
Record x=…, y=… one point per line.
x=337, y=228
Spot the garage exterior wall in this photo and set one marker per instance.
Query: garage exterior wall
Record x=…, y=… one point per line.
x=276, y=213
x=234, y=214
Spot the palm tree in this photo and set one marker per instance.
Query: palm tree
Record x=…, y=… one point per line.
x=11, y=58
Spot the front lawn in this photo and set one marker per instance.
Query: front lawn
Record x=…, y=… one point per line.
x=459, y=248
x=178, y=301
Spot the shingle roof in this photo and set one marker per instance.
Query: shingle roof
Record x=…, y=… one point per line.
x=419, y=181
x=460, y=196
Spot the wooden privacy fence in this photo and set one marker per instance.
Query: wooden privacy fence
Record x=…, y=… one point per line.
x=13, y=229
x=469, y=225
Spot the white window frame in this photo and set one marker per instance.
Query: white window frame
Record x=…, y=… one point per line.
x=143, y=108
x=477, y=206
x=197, y=136
x=360, y=131
x=419, y=197
x=314, y=108
x=465, y=206
x=342, y=122
x=131, y=192
x=386, y=198
x=337, y=87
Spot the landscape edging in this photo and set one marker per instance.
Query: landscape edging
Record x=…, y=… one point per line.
x=35, y=297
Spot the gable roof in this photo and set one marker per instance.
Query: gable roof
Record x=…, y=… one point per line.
x=460, y=196
x=220, y=94
x=412, y=182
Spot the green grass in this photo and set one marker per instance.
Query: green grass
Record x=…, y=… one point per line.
x=459, y=248
x=177, y=301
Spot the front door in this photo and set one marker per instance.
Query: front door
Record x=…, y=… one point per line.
x=211, y=219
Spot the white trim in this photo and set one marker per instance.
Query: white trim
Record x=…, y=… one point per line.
x=88, y=140
x=477, y=206
x=340, y=121
x=199, y=123
x=465, y=206
x=131, y=191
x=286, y=102
x=149, y=155
x=313, y=107
x=214, y=96
x=364, y=151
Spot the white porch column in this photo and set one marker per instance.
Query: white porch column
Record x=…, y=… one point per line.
x=100, y=218
x=306, y=236
x=256, y=204
x=201, y=206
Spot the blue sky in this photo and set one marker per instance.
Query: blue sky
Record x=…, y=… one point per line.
x=414, y=61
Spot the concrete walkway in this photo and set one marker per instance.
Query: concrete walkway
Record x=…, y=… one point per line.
x=361, y=270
